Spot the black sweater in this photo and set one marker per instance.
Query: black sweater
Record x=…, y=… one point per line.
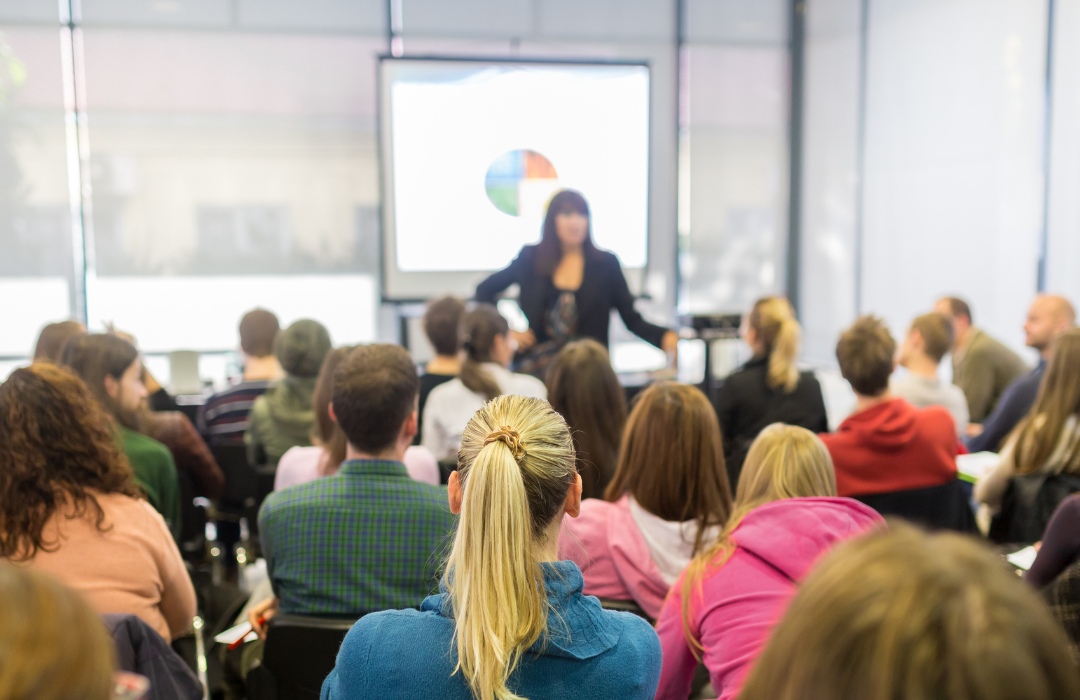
x=603, y=288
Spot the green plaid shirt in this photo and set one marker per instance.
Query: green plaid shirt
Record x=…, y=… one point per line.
x=368, y=538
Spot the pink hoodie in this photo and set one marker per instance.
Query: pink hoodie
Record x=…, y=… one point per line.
x=776, y=545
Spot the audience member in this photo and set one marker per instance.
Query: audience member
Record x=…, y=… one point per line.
x=786, y=516
x=368, y=537
x=1060, y=547
x=303, y=464
x=189, y=451
x=70, y=506
x=1047, y=440
x=769, y=388
x=442, y=326
x=583, y=389
x=485, y=374
x=910, y=615
x=982, y=366
x=1048, y=317
x=668, y=500
x=53, y=646
x=926, y=342
x=886, y=445
x=53, y=337
x=282, y=417
x=225, y=416
x=511, y=620
x=112, y=371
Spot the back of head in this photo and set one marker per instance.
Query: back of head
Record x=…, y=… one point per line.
x=258, y=330
x=583, y=389
x=53, y=337
x=778, y=333
x=302, y=347
x=866, y=352
x=95, y=356
x=58, y=444
x=516, y=466
x=672, y=459
x=957, y=308
x=906, y=616
x=326, y=432
x=1057, y=400
x=936, y=332
x=53, y=645
x=479, y=328
x=375, y=390
x=442, y=324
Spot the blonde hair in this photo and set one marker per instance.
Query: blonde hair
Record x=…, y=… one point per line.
x=516, y=466
x=779, y=333
x=904, y=614
x=785, y=461
x=53, y=646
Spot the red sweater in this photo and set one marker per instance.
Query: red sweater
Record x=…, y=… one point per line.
x=893, y=447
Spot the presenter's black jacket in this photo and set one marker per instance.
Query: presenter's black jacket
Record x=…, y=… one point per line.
x=603, y=288
x=746, y=405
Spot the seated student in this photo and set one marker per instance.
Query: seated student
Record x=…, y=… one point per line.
x=303, y=464
x=53, y=645
x=1048, y=317
x=282, y=417
x=112, y=371
x=769, y=388
x=1060, y=547
x=484, y=375
x=786, y=516
x=368, y=537
x=926, y=342
x=982, y=366
x=583, y=389
x=53, y=337
x=667, y=502
x=510, y=620
x=442, y=326
x=1047, y=440
x=71, y=507
x=225, y=416
x=886, y=445
x=906, y=614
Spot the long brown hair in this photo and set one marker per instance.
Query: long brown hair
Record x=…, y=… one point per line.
x=549, y=250
x=94, y=356
x=784, y=461
x=1038, y=434
x=58, y=447
x=672, y=460
x=325, y=432
x=904, y=614
x=778, y=333
x=583, y=389
x=479, y=328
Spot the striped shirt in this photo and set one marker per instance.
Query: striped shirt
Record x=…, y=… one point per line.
x=368, y=538
x=225, y=416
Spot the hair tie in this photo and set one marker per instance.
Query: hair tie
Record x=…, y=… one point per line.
x=510, y=437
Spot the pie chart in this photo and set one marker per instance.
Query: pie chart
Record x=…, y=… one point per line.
x=520, y=182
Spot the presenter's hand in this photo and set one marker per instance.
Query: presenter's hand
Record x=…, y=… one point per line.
x=524, y=340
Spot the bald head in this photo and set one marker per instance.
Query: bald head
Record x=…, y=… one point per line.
x=1049, y=316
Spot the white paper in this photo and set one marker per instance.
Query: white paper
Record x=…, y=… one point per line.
x=976, y=464
x=242, y=630
x=1023, y=559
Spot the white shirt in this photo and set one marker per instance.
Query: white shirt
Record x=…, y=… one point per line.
x=921, y=392
x=671, y=544
x=451, y=406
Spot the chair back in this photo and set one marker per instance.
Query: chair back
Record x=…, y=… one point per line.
x=192, y=520
x=1027, y=505
x=300, y=652
x=945, y=507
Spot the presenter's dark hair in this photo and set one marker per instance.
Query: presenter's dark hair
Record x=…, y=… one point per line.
x=549, y=252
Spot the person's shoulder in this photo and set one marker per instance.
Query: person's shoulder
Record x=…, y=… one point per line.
x=145, y=447
x=940, y=418
x=638, y=648
x=528, y=385
x=444, y=392
x=388, y=637
x=297, y=497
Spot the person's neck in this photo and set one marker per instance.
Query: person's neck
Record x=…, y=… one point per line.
x=569, y=251
x=864, y=402
x=393, y=454
x=922, y=366
x=444, y=364
x=547, y=549
x=262, y=368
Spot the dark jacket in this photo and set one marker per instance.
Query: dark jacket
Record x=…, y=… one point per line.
x=139, y=649
x=1011, y=408
x=176, y=431
x=745, y=405
x=603, y=288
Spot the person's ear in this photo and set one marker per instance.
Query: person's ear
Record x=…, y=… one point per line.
x=409, y=428
x=112, y=387
x=453, y=492
x=330, y=411
x=572, y=506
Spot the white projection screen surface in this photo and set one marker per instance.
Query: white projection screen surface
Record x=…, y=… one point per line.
x=472, y=150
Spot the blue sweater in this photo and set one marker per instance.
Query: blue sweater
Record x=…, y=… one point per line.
x=1014, y=404
x=598, y=655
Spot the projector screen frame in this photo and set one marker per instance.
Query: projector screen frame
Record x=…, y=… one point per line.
x=387, y=258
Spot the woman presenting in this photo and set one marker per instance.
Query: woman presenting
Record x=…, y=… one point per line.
x=568, y=288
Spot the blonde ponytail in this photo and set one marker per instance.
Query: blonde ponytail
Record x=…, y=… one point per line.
x=516, y=466
x=779, y=334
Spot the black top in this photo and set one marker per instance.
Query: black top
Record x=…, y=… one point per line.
x=428, y=381
x=1060, y=544
x=746, y=405
x=603, y=288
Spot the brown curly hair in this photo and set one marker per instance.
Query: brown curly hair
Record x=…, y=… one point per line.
x=59, y=448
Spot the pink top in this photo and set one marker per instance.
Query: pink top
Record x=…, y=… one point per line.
x=776, y=544
x=132, y=567
x=300, y=465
